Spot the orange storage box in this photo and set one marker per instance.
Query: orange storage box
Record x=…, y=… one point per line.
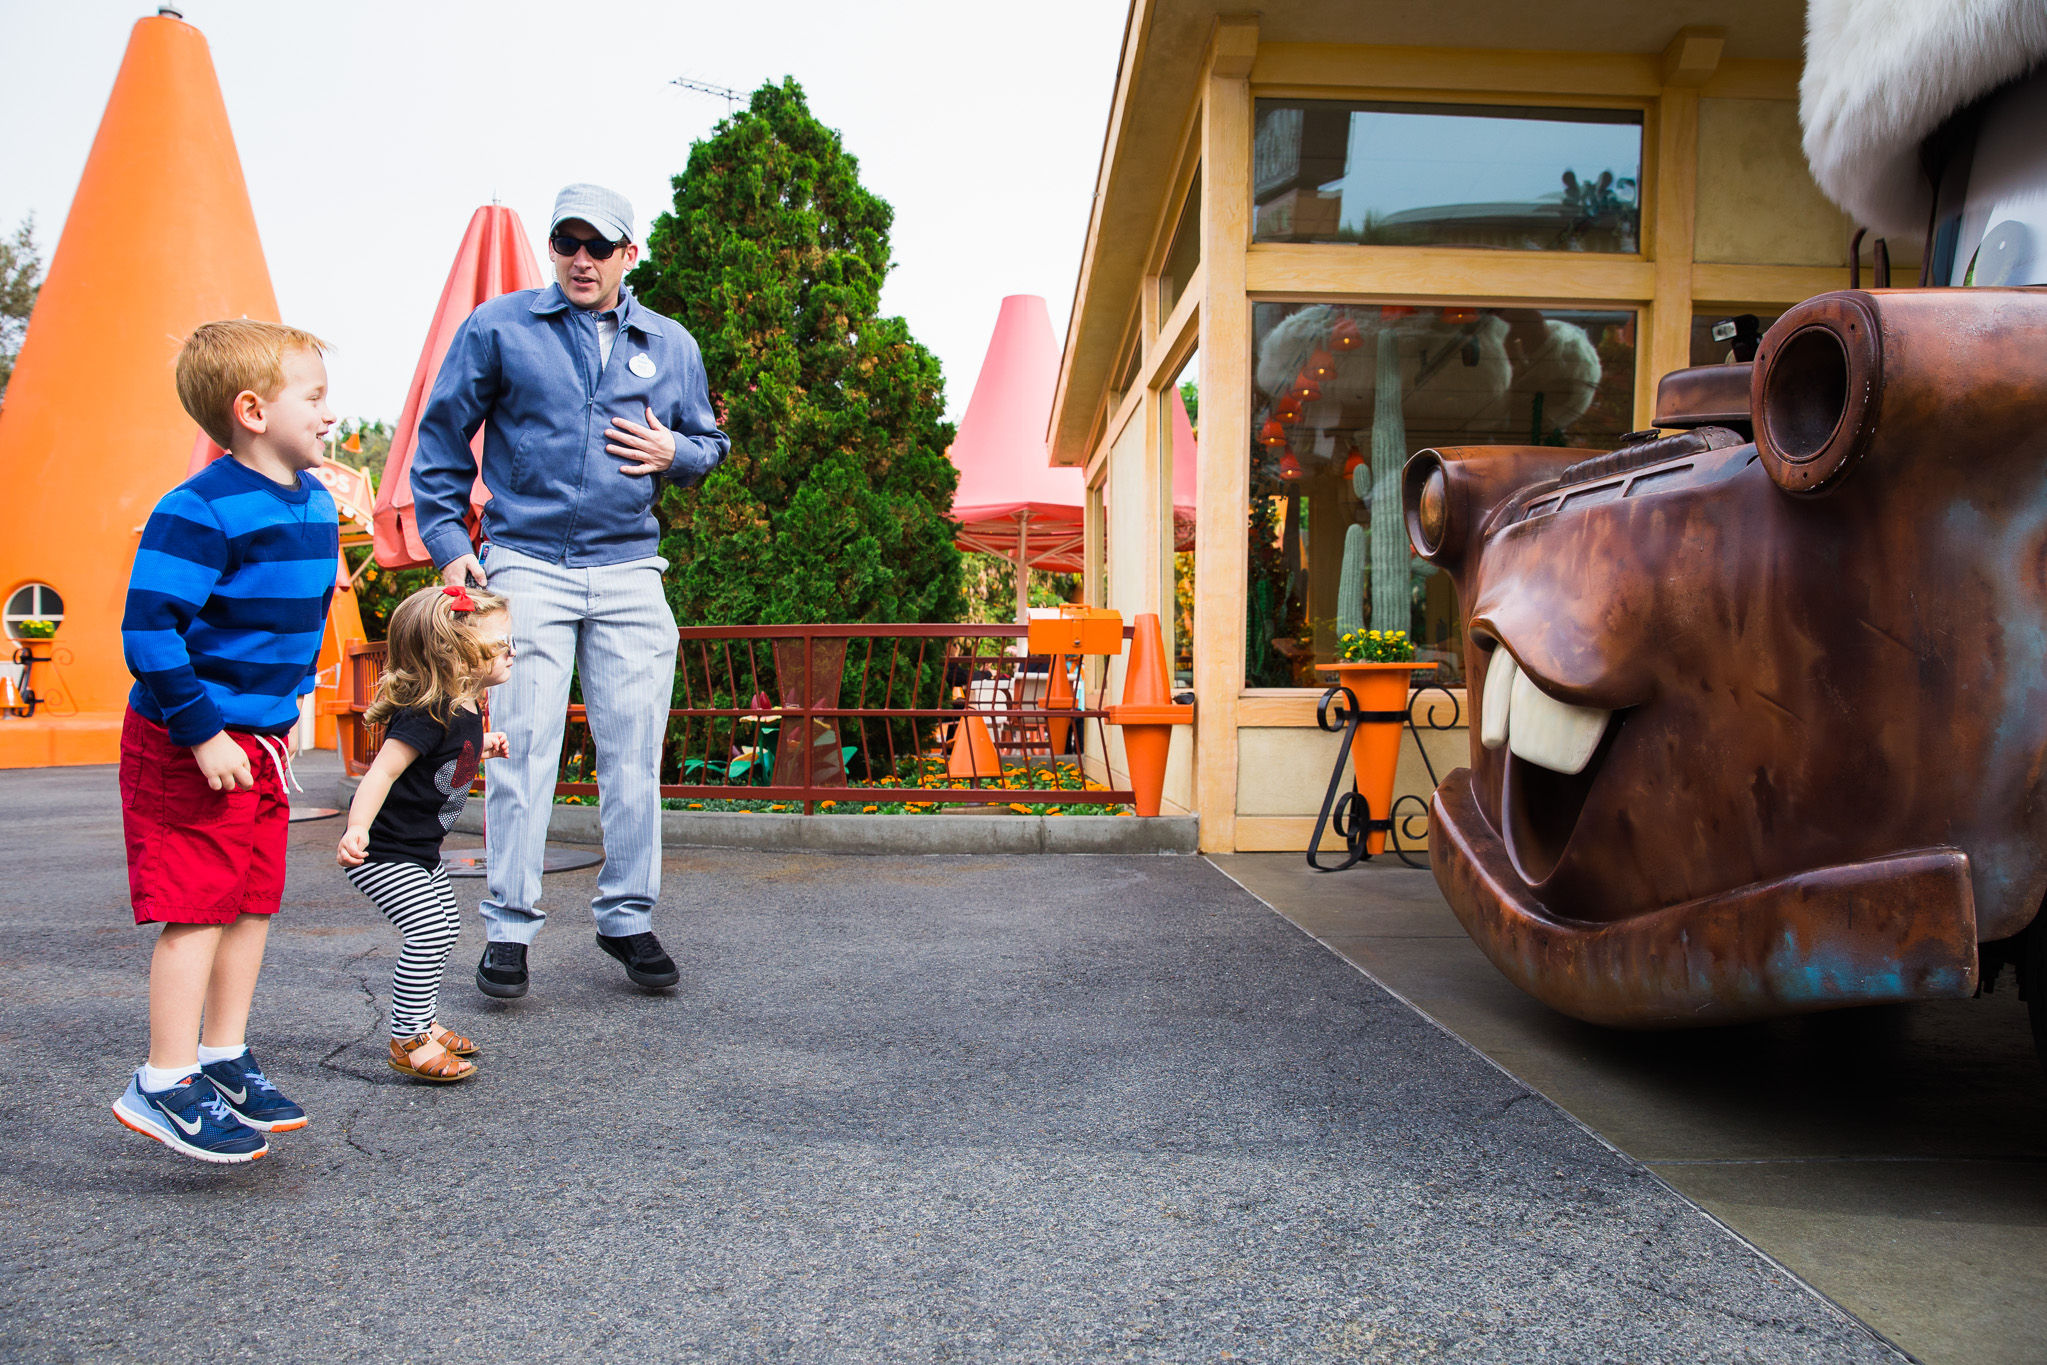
x=1078, y=630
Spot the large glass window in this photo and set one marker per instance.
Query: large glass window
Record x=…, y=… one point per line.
x=1447, y=175
x=1185, y=252
x=1342, y=396
x=1179, y=418
x=1720, y=330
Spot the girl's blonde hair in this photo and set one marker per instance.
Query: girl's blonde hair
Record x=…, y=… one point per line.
x=434, y=653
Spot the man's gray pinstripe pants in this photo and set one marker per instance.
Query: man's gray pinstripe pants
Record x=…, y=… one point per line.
x=613, y=626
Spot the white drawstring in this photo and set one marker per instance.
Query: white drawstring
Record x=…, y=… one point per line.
x=280, y=758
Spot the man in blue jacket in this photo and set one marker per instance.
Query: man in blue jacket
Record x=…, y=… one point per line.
x=588, y=402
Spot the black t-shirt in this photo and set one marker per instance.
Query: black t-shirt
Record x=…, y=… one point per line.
x=424, y=801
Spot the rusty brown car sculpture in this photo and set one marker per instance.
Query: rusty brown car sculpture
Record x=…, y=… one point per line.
x=1759, y=700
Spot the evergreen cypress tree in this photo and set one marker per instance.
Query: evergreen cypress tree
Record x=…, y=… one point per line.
x=834, y=503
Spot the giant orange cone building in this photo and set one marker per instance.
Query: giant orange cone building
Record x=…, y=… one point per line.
x=160, y=238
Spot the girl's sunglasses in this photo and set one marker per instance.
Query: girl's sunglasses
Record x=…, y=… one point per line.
x=566, y=245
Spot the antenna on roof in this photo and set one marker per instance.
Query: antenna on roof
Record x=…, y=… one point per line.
x=731, y=97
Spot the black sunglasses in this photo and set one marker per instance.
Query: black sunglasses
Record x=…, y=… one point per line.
x=566, y=246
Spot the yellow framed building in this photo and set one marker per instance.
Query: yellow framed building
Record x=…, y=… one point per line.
x=1349, y=188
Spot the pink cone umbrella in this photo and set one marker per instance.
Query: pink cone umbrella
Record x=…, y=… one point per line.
x=495, y=258
x=1011, y=501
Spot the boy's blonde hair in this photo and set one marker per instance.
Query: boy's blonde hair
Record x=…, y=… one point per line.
x=433, y=653
x=222, y=359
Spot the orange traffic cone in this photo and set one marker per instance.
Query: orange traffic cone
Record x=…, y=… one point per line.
x=1059, y=697
x=973, y=751
x=160, y=236
x=1148, y=714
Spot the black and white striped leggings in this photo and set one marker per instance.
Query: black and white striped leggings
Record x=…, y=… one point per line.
x=421, y=902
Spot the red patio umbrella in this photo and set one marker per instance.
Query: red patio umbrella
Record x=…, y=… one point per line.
x=495, y=258
x=1011, y=501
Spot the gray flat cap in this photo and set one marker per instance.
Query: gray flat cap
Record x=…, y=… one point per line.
x=610, y=212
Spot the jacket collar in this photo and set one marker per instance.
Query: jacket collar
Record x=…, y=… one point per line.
x=630, y=310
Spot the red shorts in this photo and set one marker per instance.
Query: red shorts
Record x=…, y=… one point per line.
x=195, y=855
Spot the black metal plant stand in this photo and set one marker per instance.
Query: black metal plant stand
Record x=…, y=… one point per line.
x=1348, y=812
x=27, y=658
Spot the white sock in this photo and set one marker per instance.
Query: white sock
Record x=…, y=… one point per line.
x=155, y=1078
x=209, y=1055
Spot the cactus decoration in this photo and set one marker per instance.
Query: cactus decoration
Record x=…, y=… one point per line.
x=1392, y=606
x=1350, y=580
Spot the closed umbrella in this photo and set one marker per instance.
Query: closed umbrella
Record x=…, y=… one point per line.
x=495, y=258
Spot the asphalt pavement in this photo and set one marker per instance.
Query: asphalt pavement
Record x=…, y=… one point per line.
x=900, y=1109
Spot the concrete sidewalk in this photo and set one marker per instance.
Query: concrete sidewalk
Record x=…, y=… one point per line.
x=1895, y=1156
x=998, y=1108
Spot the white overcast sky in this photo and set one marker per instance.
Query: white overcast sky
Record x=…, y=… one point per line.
x=369, y=131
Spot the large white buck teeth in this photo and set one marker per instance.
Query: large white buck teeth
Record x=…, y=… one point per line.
x=1536, y=727
x=1499, y=695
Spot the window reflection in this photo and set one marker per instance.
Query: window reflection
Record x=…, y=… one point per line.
x=1180, y=417
x=1343, y=395
x=1738, y=327
x=1447, y=175
x=1185, y=252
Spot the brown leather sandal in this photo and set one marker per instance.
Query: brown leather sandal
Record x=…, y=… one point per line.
x=441, y=1068
x=454, y=1042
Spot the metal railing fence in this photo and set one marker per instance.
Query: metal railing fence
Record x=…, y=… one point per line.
x=824, y=716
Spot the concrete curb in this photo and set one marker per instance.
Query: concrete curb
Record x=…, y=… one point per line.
x=887, y=834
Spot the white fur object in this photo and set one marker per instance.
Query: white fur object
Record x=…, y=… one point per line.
x=1882, y=74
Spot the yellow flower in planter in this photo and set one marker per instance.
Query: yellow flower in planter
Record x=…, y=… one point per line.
x=869, y=810
x=827, y=805
x=696, y=805
x=1020, y=808
x=778, y=809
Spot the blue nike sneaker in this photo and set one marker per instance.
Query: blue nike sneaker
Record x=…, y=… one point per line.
x=191, y=1118
x=254, y=1099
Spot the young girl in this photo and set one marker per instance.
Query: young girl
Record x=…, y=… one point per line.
x=446, y=646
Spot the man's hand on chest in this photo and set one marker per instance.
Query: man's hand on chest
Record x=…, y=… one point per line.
x=646, y=450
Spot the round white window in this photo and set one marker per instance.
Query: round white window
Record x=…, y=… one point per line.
x=32, y=602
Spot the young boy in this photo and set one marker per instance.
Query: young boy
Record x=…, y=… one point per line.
x=227, y=606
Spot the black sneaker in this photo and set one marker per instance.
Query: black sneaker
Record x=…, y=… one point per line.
x=644, y=961
x=501, y=972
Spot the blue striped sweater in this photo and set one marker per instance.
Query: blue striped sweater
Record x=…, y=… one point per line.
x=227, y=603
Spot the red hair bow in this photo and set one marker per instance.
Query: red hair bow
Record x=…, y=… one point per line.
x=462, y=600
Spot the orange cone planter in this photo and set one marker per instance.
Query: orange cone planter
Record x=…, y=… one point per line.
x=1375, y=749
x=160, y=238
x=1148, y=714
